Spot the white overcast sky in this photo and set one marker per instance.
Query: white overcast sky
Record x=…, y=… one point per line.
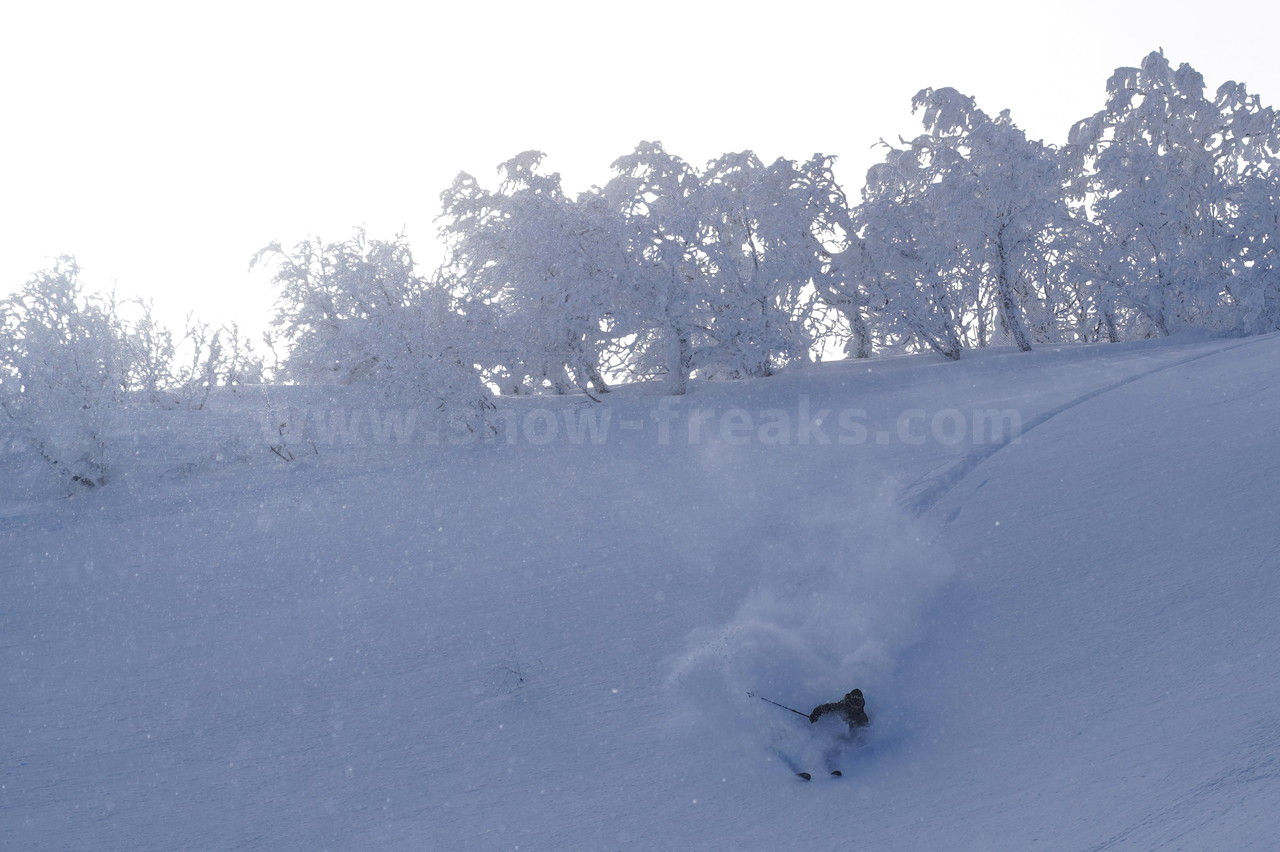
x=164, y=143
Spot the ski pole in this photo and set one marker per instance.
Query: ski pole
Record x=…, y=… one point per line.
x=776, y=704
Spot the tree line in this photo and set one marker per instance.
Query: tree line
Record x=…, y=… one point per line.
x=1160, y=213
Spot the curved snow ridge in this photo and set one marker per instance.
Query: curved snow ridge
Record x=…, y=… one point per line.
x=923, y=494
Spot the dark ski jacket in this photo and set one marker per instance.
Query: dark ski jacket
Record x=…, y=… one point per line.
x=850, y=709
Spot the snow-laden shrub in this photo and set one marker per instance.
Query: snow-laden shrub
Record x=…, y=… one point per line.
x=62, y=371
x=180, y=372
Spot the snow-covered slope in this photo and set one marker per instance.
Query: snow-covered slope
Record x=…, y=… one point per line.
x=545, y=642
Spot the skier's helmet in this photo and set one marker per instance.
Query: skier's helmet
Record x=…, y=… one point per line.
x=856, y=697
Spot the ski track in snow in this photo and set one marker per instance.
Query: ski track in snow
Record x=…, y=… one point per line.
x=924, y=493
x=1251, y=782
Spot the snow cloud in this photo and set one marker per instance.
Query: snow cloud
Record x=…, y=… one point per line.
x=838, y=599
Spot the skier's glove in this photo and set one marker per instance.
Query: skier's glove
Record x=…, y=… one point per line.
x=815, y=716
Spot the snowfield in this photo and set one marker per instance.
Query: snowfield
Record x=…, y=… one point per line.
x=1054, y=575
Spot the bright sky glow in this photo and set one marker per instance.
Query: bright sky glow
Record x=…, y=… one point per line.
x=164, y=143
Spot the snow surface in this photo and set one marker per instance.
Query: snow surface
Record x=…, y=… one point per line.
x=1065, y=630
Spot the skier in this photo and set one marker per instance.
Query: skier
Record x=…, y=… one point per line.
x=850, y=709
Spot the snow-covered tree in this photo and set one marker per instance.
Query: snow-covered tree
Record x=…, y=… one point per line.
x=957, y=227
x=1158, y=168
x=63, y=367
x=1255, y=252
x=1000, y=197
x=916, y=291
x=1075, y=298
x=652, y=190
x=333, y=298
x=1252, y=132
x=758, y=234
x=729, y=262
x=546, y=269
x=827, y=246
x=358, y=312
